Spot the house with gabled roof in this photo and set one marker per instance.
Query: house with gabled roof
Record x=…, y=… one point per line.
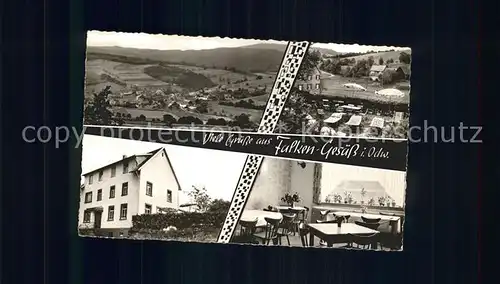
x=401, y=70
x=377, y=70
x=134, y=185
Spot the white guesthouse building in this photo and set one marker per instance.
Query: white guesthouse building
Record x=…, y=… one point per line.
x=134, y=185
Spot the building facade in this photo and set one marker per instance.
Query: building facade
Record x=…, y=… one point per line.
x=135, y=185
x=312, y=84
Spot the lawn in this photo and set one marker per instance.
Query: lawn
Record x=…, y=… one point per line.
x=385, y=55
x=128, y=73
x=333, y=87
x=230, y=111
x=185, y=235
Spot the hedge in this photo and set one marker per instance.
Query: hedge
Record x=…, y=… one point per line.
x=181, y=220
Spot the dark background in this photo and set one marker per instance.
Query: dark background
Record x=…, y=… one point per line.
x=42, y=84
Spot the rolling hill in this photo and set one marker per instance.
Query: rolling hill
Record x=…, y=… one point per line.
x=385, y=55
x=282, y=47
x=244, y=59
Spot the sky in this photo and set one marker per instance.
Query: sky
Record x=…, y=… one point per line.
x=174, y=42
x=218, y=171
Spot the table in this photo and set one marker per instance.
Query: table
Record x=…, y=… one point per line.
x=284, y=207
x=393, y=220
x=331, y=233
x=250, y=215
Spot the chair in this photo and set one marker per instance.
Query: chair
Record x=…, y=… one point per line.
x=363, y=242
x=305, y=214
x=370, y=220
x=285, y=226
x=324, y=215
x=391, y=241
x=271, y=231
x=345, y=218
x=304, y=232
x=373, y=226
x=296, y=221
x=247, y=230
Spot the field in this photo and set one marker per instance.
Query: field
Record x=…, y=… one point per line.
x=128, y=74
x=255, y=114
x=385, y=55
x=232, y=79
x=158, y=114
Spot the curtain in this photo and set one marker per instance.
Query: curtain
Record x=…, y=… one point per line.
x=318, y=169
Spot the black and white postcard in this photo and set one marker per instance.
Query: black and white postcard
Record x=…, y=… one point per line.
x=169, y=81
x=243, y=141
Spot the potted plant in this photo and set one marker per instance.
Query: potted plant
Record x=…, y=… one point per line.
x=348, y=197
x=337, y=198
x=371, y=202
x=290, y=199
x=363, y=193
x=381, y=200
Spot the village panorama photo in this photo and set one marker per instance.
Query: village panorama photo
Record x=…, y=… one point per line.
x=150, y=191
x=171, y=81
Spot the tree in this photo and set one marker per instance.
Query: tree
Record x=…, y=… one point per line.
x=219, y=205
x=311, y=60
x=189, y=120
x=97, y=111
x=201, y=198
x=387, y=77
x=141, y=117
x=299, y=107
x=219, y=121
x=404, y=58
x=168, y=119
x=390, y=60
x=371, y=61
x=242, y=121
x=381, y=61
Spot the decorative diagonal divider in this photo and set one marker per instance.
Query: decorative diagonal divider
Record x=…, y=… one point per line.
x=285, y=79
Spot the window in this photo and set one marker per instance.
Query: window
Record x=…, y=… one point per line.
x=125, y=188
x=148, y=208
x=309, y=78
x=125, y=167
x=100, y=175
x=317, y=77
x=113, y=171
x=99, y=195
x=112, y=192
x=300, y=87
x=123, y=211
x=88, y=197
x=91, y=179
x=309, y=86
x=149, y=189
x=317, y=86
x=169, y=196
x=111, y=213
x=86, y=217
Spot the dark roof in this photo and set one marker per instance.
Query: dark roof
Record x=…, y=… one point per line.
x=404, y=67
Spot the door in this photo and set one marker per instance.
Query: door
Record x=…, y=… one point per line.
x=97, y=221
